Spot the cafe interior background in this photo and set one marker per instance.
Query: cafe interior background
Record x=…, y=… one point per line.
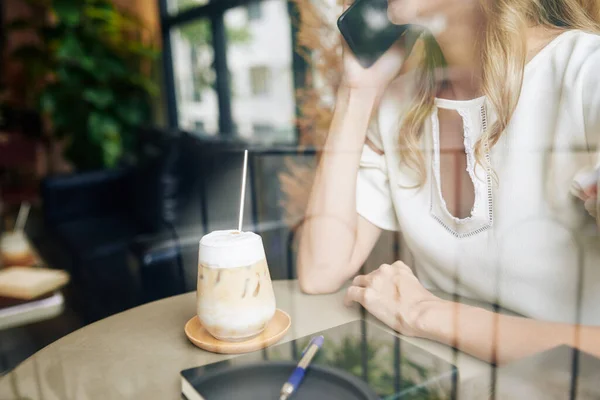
x=126, y=136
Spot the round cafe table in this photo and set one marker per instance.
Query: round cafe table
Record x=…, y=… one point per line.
x=138, y=354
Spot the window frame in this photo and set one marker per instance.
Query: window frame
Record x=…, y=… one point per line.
x=214, y=11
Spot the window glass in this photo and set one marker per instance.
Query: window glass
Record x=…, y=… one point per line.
x=177, y=6
x=259, y=80
x=254, y=11
x=193, y=55
x=259, y=57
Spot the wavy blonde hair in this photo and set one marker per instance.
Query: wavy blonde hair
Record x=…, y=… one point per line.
x=504, y=57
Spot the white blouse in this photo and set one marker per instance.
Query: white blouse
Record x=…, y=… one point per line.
x=529, y=245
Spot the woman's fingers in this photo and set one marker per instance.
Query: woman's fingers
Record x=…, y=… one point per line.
x=356, y=294
x=362, y=281
x=591, y=205
x=347, y=4
x=372, y=302
x=591, y=191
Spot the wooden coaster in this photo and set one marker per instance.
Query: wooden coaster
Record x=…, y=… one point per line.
x=274, y=331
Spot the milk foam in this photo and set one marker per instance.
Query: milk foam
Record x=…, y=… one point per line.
x=230, y=249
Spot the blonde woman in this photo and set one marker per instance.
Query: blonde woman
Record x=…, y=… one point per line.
x=484, y=158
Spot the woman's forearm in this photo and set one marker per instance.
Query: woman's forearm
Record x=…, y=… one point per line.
x=328, y=234
x=500, y=338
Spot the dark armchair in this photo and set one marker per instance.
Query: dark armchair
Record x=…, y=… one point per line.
x=112, y=223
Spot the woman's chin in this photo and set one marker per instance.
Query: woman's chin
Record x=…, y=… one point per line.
x=400, y=13
x=398, y=19
x=436, y=25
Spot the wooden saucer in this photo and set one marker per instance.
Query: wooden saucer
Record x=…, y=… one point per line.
x=274, y=331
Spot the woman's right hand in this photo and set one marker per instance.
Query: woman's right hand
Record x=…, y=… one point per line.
x=379, y=75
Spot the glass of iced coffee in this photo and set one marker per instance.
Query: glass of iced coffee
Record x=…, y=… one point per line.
x=235, y=299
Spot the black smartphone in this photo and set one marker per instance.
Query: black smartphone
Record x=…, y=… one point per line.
x=369, y=33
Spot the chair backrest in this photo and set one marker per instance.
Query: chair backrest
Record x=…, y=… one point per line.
x=190, y=213
x=154, y=185
x=75, y=196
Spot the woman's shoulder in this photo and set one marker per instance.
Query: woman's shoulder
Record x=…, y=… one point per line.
x=584, y=59
x=571, y=60
x=585, y=64
x=580, y=47
x=583, y=38
x=565, y=56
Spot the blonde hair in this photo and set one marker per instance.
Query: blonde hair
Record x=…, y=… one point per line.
x=504, y=57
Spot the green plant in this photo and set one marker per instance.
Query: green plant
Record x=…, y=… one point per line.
x=90, y=72
x=347, y=353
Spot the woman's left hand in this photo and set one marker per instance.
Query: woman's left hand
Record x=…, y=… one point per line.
x=394, y=295
x=590, y=200
x=585, y=186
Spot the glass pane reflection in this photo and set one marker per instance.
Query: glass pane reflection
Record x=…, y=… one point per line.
x=193, y=55
x=364, y=350
x=177, y=6
x=259, y=57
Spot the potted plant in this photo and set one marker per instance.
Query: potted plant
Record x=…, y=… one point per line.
x=90, y=72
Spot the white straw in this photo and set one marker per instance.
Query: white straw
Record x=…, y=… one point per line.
x=243, y=195
x=22, y=217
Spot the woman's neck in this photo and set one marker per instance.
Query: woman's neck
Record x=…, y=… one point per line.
x=462, y=48
x=538, y=37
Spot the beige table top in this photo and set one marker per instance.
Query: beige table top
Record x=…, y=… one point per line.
x=139, y=353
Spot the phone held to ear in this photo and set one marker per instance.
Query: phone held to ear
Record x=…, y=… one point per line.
x=369, y=33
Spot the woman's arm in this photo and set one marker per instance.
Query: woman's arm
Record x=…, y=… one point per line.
x=335, y=241
x=500, y=338
x=396, y=297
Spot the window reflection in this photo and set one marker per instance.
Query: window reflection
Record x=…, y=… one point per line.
x=259, y=57
x=260, y=79
x=193, y=56
x=177, y=6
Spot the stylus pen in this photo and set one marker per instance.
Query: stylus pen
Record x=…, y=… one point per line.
x=297, y=376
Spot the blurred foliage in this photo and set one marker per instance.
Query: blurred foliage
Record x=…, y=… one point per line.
x=318, y=42
x=380, y=367
x=184, y=5
x=416, y=383
x=90, y=73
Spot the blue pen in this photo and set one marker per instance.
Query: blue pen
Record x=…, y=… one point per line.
x=298, y=375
